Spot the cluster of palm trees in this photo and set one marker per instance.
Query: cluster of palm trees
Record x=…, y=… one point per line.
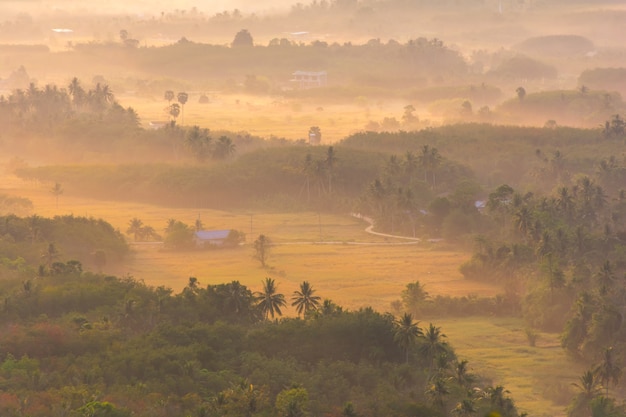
x=96, y=99
x=319, y=173
x=202, y=146
x=395, y=199
x=141, y=231
x=270, y=302
x=446, y=374
x=176, y=109
x=45, y=107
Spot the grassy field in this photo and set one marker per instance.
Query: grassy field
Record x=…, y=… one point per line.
x=333, y=252
x=498, y=348
x=266, y=116
x=352, y=275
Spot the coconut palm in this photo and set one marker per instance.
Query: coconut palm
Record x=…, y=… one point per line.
x=406, y=333
x=304, y=300
x=608, y=371
x=437, y=392
x=269, y=301
x=465, y=408
x=606, y=276
x=224, y=148
x=433, y=343
x=135, y=228
x=588, y=388
x=461, y=374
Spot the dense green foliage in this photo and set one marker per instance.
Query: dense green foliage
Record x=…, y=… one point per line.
x=43, y=241
x=80, y=344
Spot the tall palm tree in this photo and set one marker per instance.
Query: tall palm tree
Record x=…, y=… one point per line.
x=169, y=96
x=608, y=371
x=224, y=148
x=461, y=374
x=588, y=388
x=304, y=300
x=238, y=296
x=173, y=111
x=269, y=301
x=307, y=170
x=433, y=343
x=606, y=276
x=406, y=333
x=330, y=161
x=182, y=98
x=57, y=190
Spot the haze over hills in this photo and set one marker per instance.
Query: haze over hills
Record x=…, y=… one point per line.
x=176, y=178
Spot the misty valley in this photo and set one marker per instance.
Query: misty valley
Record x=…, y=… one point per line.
x=332, y=208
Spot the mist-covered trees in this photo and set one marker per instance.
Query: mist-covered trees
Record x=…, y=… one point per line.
x=67, y=111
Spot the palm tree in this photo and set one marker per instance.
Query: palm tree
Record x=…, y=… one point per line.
x=589, y=388
x=330, y=162
x=182, y=98
x=437, y=391
x=76, y=92
x=406, y=333
x=329, y=308
x=238, y=296
x=135, y=228
x=173, y=111
x=304, y=300
x=169, y=96
x=497, y=396
x=461, y=374
x=224, y=148
x=198, y=142
x=50, y=254
x=307, y=169
x=607, y=370
x=465, y=408
x=269, y=301
x=410, y=166
x=434, y=343
x=430, y=159
x=57, y=190
x=606, y=276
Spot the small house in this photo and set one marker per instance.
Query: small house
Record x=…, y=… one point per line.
x=309, y=79
x=207, y=238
